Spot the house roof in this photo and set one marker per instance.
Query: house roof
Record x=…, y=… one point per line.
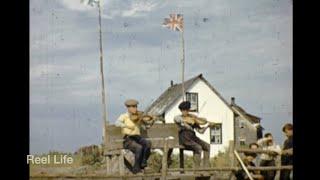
x=240, y=111
x=168, y=97
x=173, y=93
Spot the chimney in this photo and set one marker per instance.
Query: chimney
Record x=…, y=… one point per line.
x=171, y=83
x=232, y=101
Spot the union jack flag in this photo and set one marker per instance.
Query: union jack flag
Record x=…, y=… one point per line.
x=174, y=22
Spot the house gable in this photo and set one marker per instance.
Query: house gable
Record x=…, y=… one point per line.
x=173, y=94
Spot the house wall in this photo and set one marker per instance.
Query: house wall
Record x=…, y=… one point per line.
x=212, y=108
x=246, y=131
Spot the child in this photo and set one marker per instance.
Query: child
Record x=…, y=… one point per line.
x=255, y=146
x=248, y=162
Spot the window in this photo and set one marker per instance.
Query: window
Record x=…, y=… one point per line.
x=216, y=134
x=242, y=141
x=241, y=123
x=193, y=98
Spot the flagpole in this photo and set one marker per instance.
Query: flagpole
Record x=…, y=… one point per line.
x=182, y=64
x=104, y=111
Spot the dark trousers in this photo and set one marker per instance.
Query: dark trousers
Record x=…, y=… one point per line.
x=285, y=174
x=192, y=142
x=141, y=149
x=285, y=161
x=268, y=175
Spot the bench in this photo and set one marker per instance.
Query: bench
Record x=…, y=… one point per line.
x=162, y=136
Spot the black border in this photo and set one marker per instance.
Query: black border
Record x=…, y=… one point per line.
x=15, y=83
x=305, y=90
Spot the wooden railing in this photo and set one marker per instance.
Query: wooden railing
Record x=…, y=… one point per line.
x=277, y=166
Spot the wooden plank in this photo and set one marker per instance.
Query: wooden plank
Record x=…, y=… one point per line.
x=278, y=164
x=164, y=160
x=242, y=150
x=154, y=134
x=121, y=163
x=232, y=158
x=108, y=164
x=263, y=168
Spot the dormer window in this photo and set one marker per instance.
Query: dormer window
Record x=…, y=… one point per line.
x=193, y=98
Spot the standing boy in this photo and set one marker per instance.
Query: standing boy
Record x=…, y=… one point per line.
x=287, y=151
x=268, y=159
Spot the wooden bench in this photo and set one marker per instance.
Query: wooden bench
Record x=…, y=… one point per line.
x=162, y=136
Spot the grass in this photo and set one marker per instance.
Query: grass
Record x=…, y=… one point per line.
x=91, y=163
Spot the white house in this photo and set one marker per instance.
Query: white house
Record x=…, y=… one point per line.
x=233, y=122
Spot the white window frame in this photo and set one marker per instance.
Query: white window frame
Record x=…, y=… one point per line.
x=242, y=123
x=188, y=98
x=242, y=139
x=217, y=134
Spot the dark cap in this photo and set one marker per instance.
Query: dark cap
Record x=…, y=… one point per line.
x=185, y=105
x=131, y=102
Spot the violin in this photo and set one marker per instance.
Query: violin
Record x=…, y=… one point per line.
x=195, y=120
x=147, y=119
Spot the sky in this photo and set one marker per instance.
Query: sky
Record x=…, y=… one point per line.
x=242, y=47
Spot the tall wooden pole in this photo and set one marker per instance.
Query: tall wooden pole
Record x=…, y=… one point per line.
x=182, y=64
x=104, y=108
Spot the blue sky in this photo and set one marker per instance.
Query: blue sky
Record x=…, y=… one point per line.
x=243, y=48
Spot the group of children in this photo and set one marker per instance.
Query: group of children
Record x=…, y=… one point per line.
x=268, y=159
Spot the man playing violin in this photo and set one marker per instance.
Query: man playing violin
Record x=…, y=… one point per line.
x=187, y=124
x=130, y=126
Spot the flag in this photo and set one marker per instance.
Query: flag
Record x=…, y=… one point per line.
x=89, y=2
x=174, y=22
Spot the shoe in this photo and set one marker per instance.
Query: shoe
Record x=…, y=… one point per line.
x=143, y=165
x=135, y=171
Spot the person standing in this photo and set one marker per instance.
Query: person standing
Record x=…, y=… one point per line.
x=287, y=151
x=130, y=128
x=268, y=159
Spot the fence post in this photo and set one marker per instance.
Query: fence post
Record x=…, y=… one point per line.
x=121, y=163
x=108, y=163
x=231, y=154
x=278, y=164
x=231, y=158
x=164, y=159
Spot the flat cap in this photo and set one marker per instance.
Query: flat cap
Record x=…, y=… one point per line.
x=131, y=102
x=185, y=105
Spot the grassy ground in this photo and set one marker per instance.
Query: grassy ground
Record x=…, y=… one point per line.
x=91, y=164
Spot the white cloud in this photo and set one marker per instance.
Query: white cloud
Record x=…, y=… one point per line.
x=138, y=7
x=76, y=5
x=116, y=8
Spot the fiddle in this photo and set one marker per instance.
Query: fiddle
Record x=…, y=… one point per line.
x=195, y=120
x=147, y=119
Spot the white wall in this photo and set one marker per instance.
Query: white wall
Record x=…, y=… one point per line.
x=212, y=108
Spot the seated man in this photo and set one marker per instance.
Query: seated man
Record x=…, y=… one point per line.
x=188, y=138
x=132, y=137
